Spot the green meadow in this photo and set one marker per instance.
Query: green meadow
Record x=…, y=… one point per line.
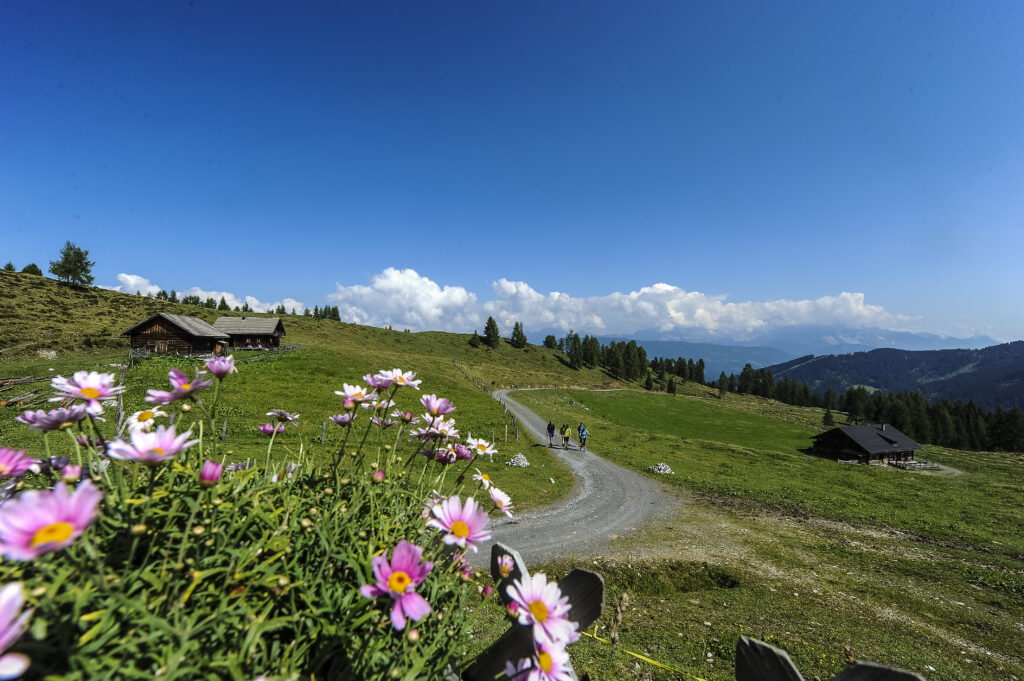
x=915, y=570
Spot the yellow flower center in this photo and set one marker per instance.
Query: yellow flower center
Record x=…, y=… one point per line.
x=460, y=529
x=145, y=416
x=52, y=533
x=544, y=660
x=65, y=425
x=186, y=386
x=157, y=451
x=91, y=393
x=539, y=611
x=398, y=581
x=3, y=469
x=485, y=477
x=501, y=502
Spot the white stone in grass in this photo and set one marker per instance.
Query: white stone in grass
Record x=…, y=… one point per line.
x=552, y=480
x=518, y=461
x=661, y=469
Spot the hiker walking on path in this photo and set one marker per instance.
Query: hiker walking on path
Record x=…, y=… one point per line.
x=584, y=434
x=565, y=435
x=551, y=434
x=580, y=429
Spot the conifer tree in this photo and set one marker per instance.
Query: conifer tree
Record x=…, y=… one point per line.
x=475, y=341
x=223, y=305
x=649, y=383
x=723, y=385
x=9, y=267
x=671, y=387
x=32, y=268
x=518, y=336
x=74, y=266
x=827, y=420
x=550, y=342
x=492, y=336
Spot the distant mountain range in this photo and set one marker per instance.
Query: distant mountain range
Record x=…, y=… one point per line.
x=779, y=345
x=989, y=377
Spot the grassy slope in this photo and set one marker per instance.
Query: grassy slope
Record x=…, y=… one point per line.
x=909, y=569
x=37, y=314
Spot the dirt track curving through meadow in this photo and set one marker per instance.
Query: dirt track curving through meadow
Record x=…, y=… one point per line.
x=607, y=501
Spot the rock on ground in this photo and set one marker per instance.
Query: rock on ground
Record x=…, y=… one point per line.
x=661, y=468
x=518, y=461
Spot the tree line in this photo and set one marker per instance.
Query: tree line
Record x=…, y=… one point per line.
x=948, y=423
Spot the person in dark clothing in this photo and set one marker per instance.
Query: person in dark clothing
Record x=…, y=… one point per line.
x=584, y=434
x=551, y=434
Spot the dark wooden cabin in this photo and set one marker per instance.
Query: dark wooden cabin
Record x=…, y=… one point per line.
x=872, y=443
x=252, y=332
x=165, y=332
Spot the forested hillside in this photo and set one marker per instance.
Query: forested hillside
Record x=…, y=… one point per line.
x=990, y=377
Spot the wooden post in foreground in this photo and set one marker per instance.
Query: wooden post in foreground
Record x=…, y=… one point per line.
x=584, y=589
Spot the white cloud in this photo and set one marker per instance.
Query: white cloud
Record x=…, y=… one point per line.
x=132, y=283
x=404, y=298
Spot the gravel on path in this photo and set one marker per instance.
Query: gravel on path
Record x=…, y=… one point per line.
x=607, y=501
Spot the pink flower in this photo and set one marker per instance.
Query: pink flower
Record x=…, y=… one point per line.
x=378, y=405
x=12, y=626
x=270, y=429
x=86, y=385
x=437, y=406
x=343, y=420
x=181, y=387
x=56, y=419
x=14, y=462
x=383, y=423
x=505, y=565
x=71, y=473
x=399, y=579
x=378, y=382
x=40, y=521
x=210, y=473
x=401, y=378
x=145, y=419
x=550, y=662
x=377, y=476
x=283, y=416
x=151, y=448
x=221, y=366
x=439, y=429
x=479, y=446
x=404, y=416
x=463, y=452
x=356, y=393
x=502, y=501
x=464, y=525
x=542, y=605
x=445, y=456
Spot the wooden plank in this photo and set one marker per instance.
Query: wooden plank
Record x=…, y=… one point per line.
x=870, y=671
x=758, y=661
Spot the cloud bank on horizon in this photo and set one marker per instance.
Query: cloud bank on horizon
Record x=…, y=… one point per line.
x=403, y=298
x=133, y=283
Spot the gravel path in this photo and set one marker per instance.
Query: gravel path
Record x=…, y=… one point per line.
x=607, y=500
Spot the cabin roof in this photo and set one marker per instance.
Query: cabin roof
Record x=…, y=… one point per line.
x=264, y=326
x=190, y=325
x=876, y=438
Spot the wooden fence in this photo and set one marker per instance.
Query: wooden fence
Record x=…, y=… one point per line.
x=755, y=660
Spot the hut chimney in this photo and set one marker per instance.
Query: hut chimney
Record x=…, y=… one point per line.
x=883, y=425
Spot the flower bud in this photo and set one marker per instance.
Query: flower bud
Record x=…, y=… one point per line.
x=378, y=475
x=186, y=407
x=413, y=635
x=141, y=528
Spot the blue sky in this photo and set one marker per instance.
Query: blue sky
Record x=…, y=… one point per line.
x=426, y=164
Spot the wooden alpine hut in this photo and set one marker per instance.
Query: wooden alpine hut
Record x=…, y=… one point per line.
x=252, y=333
x=877, y=443
x=184, y=335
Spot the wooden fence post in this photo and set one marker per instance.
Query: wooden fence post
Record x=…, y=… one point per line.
x=224, y=430
x=323, y=432
x=584, y=589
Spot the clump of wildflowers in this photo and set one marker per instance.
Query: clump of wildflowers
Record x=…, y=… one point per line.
x=41, y=521
x=398, y=578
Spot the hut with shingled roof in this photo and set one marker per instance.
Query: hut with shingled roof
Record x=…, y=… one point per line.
x=252, y=332
x=877, y=443
x=178, y=333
